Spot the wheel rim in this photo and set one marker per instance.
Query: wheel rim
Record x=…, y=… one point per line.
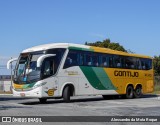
x=138, y=91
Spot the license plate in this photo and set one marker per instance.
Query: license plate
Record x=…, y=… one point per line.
x=22, y=94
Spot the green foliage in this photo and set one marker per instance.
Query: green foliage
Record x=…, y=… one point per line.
x=156, y=64
x=107, y=44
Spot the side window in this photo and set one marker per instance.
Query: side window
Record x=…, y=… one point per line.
x=130, y=63
x=104, y=60
x=88, y=59
x=123, y=58
x=48, y=68
x=143, y=64
x=59, y=54
x=81, y=58
x=111, y=64
x=117, y=61
x=138, y=64
x=146, y=64
x=72, y=59
x=95, y=60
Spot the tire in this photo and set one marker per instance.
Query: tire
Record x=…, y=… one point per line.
x=129, y=92
x=42, y=100
x=138, y=92
x=66, y=94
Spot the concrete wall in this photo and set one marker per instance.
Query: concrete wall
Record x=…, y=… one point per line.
x=5, y=86
x=1, y=85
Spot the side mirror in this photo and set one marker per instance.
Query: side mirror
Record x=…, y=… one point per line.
x=41, y=58
x=10, y=61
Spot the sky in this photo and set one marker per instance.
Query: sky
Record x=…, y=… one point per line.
x=25, y=23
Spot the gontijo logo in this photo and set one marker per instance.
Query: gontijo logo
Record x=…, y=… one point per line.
x=126, y=73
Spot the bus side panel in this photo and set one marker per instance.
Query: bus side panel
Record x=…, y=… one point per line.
x=68, y=76
x=121, y=78
x=98, y=80
x=105, y=81
x=149, y=86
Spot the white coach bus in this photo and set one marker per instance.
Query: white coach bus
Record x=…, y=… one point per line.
x=64, y=69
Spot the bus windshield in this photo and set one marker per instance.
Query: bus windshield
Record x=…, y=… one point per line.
x=26, y=70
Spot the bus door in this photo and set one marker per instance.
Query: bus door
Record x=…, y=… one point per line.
x=48, y=70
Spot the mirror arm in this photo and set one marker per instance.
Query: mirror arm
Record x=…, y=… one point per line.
x=10, y=61
x=41, y=58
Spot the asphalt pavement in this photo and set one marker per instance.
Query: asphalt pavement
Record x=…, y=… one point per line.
x=148, y=105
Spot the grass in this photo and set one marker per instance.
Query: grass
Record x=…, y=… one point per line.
x=156, y=89
x=157, y=85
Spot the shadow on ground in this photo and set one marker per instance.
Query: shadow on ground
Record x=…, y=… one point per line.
x=12, y=107
x=7, y=98
x=55, y=101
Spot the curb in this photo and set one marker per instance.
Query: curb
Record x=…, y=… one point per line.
x=7, y=94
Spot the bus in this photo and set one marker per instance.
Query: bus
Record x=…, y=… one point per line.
x=62, y=70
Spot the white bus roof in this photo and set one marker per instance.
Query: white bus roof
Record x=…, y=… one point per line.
x=52, y=45
x=66, y=45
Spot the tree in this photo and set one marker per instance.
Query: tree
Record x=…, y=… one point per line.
x=107, y=44
x=156, y=64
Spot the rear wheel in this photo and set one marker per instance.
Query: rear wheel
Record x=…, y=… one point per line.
x=138, y=92
x=66, y=94
x=129, y=92
x=42, y=100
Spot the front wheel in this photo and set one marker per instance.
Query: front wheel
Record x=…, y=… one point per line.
x=66, y=94
x=129, y=92
x=138, y=92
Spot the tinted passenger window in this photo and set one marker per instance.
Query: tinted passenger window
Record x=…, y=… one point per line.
x=72, y=59
x=87, y=59
x=130, y=63
x=48, y=67
x=104, y=61
x=117, y=61
x=146, y=64
x=94, y=59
